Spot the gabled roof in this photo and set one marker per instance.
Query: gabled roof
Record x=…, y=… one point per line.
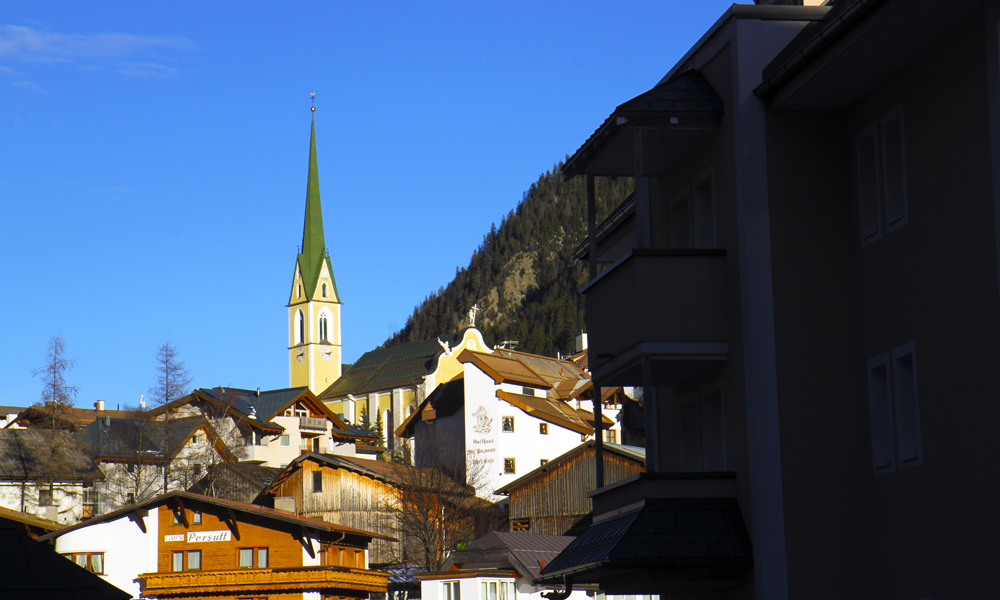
x=29, y=521
x=446, y=399
x=39, y=454
x=396, y=474
x=390, y=368
x=634, y=453
x=67, y=417
x=33, y=571
x=552, y=411
x=505, y=369
x=189, y=499
x=500, y=552
x=146, y=439
x=240, y=481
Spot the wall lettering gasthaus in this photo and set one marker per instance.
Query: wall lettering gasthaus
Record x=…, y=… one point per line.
x=881, y=172
x=894, y=410
x=209, y=536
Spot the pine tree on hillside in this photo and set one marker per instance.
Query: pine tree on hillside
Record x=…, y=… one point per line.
x=532, y=247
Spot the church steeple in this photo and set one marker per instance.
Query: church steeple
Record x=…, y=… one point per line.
x=314, y=303
x=313, y=253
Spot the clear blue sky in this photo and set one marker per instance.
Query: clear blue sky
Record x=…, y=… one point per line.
x=153, y=163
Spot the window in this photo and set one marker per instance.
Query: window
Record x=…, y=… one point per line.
x=45, y=497
x=881, y=157
x=177, y=517
x=489, y=590
x=301, y=329
x=451, y=591
x=544, y=461
x=520, y=525
x=194, y=560
x=508, y=465
x=196, y=517
x=197, y=469
x=91, y=503
x=527, y=391
x=543, y=428
x=507, y=590
x=92, y=561
x=692, y=215
x=247, y=561
x=130, y=498
x=702, y=430
x=507, y=424
x=323, y=328
x=324, y=290
x=317, y=481
x=610, y=436
x=196, y=439
x=298, y=291
x=285, y=440
x=177, y=561
x=892, y=392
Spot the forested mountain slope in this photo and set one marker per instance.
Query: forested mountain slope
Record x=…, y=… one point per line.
x=522, y=276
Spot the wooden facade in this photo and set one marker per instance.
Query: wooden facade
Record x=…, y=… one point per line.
x=552, y=498
x=348, y=495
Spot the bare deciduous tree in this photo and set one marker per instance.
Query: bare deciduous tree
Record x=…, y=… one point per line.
x=57, y=396
x=435, y=510
x=172, y=382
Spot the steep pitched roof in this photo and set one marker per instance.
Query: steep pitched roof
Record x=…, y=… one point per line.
x=389, y=368
x=313, y=254
x=38, y=454
x=191, y=499
x=145, y=439
x=240, y=481
x=633, y=453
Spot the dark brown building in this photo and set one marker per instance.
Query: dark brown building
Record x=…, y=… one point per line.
x=815, y=232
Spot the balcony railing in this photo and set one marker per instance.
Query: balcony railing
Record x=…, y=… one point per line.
x=312, y=424
x=657, y=301
x=159, y=585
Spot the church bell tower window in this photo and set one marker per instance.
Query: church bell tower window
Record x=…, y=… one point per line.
x=323, y=329
x=301, y=329
x=324, y=295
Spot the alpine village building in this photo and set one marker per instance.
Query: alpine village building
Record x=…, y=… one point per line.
x=816, y=233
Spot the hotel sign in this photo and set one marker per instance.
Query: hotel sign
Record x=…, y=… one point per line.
x=209, y=536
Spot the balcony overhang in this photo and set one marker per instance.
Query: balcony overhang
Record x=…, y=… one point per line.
x=338, y=581
x=675, y=116
x=665, y=309
x=656, y=532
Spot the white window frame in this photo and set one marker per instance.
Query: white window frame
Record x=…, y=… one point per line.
x=887, y=218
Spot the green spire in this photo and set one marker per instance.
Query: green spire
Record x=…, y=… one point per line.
x=313, y=242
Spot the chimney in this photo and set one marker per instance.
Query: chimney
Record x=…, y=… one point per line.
x=99, y=405
x=285, y=503
x=581, y=342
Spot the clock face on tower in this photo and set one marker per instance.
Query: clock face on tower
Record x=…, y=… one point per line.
x=326, y=353
x=300, y=354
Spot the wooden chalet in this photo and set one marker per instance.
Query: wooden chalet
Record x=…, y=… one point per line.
x=553, y=499
x=184, y=545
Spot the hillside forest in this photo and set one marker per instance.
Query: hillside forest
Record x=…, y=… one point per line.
x=523, y=276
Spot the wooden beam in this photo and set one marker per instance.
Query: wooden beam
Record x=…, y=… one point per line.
x=306, y=540
x=231, y=523
x=181, y=513
x=138, y=517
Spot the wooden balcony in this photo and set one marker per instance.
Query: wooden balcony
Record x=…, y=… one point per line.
x=340, y=581
x=667, y=307
x=312, y=424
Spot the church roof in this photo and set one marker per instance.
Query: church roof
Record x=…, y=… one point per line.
x=313, y=253
x=390, y=368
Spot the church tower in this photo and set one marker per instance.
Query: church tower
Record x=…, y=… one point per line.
x=314, y=358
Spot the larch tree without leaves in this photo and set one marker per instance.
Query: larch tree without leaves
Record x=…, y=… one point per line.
x=172, y=382
x=57, y=396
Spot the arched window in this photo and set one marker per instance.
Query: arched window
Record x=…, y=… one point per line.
x=301, y=329
x=324, y=291
x=322, y=329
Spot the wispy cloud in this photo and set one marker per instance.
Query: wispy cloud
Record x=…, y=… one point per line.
x=27, y=85
x=125, y=53
x=7, y=71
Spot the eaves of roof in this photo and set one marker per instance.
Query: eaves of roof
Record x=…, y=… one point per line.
x=550, y=411
x=504, y=369
x=236, y=506
x=634, y=453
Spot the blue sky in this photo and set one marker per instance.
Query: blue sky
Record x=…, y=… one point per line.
x=153, y=163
